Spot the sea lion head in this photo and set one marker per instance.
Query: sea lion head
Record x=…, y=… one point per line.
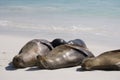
x=40, y=61
x=78, y=42
x=57, y=42
x=87, y=63
x=22, y=61
x=27, y=55
x=18, y=62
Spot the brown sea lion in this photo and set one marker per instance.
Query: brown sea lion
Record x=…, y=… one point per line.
x=27, y=55
x=67, y=55
x=106, y=61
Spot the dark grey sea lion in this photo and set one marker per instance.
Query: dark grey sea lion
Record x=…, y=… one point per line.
x=78, y=42
x=67, y=55
x=27, y=55
x=58, y=41
x=109, y=60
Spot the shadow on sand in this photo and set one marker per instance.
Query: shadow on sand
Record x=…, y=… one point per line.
x=35, y=69
x=10, y=67
x=82, y=70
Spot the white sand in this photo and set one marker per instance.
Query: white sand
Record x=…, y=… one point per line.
x=10, y=46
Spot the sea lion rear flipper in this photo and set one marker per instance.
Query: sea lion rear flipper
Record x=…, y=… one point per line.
x=82, y=50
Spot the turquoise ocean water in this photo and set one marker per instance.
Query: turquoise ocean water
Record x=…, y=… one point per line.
x=94, y=20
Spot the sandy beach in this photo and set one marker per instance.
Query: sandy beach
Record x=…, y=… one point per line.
x=10, y=46
x=96, y=22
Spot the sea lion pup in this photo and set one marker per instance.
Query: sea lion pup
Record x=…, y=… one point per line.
x=63, y=56
x=106, y=61
x=27, y=55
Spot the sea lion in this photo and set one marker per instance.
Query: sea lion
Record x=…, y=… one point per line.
x=78, y=42
x=27, y=55
x=60, y=41
x=67, y=55
x=109, y=60
x=57, y=42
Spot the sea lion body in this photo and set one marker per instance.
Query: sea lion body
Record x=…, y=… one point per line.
x=106, y=61
x=63, y=56
x=27, y=55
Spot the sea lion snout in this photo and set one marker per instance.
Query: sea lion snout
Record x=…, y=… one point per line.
x=106, y=61
x=18, y=62
x=84, y=67
x=87, y=63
